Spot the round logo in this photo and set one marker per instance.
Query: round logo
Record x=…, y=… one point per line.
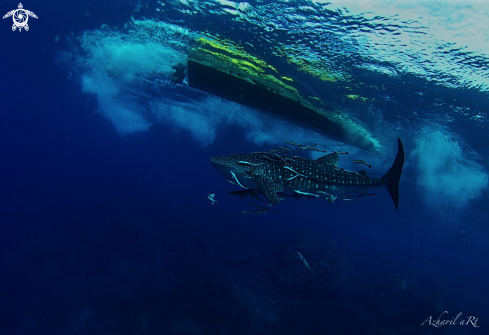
x=20, y=17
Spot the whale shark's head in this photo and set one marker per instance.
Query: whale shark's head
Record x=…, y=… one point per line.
x=233, y=168
x=226, y=164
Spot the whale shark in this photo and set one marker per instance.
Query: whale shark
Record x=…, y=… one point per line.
x=272, y=173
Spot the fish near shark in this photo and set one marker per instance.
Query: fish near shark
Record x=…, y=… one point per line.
x=272, y=173
x=261, y=209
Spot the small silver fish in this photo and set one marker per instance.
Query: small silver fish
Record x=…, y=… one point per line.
x=316, y=149
x=264, y=212
x=362, y=162
x=248, y=193
x=304, y=261
x=212, y=198
x=285, y=149
x=261, y=209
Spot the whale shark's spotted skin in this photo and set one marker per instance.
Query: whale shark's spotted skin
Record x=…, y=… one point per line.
x=272, y=173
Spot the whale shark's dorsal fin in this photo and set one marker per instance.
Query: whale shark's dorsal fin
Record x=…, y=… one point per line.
x=363, y=173
x=331, y=159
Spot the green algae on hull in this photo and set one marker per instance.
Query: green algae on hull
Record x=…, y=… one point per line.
x=228, y=71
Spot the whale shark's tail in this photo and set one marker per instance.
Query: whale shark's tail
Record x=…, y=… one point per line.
x=393, y=176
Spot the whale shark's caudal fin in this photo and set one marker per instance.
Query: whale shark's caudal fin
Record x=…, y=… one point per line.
x=393, y=176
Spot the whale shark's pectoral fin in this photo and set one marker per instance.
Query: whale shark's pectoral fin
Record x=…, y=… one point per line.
x=269, y=188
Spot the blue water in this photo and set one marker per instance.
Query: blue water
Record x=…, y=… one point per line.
x=105, y=225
